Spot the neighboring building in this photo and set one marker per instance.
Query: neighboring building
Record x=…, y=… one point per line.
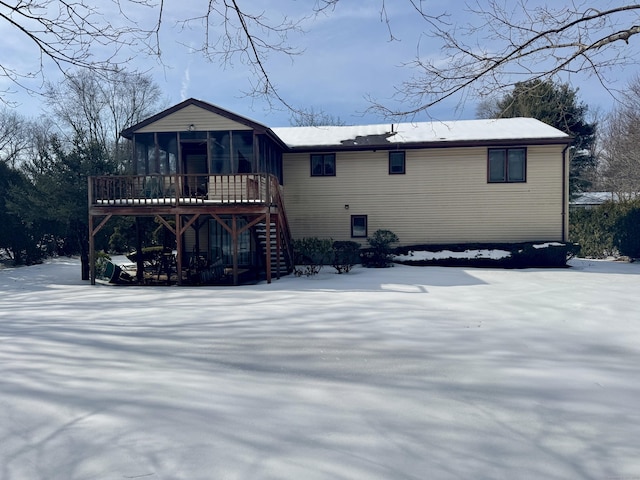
x=588, y=200
x=227, y=182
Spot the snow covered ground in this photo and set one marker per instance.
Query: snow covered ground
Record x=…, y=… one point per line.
x=401, y=373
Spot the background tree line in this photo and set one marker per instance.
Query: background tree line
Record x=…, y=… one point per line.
x=45, y=162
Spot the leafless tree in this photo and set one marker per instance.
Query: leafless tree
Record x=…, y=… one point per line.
x=96, y=108
x=310, y=117
x=619, y=171
x=13, y=141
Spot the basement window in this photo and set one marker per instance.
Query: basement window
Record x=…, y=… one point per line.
x=358, y=226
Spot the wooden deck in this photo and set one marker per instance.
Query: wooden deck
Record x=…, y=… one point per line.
x=185, y=198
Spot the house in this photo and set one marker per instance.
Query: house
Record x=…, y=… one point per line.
x=589, y=200
x=235, y=192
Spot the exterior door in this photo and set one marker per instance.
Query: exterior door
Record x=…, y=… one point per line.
x=194, y=165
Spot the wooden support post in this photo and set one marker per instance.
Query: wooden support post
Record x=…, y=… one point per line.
x=92, y=245
x=92, y=253
x=234, y=239
x=178, y=231
x=139, y=259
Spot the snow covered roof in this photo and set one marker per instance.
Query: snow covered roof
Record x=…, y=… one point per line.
x=594, y=198
x=598, y=198
x=505, y=129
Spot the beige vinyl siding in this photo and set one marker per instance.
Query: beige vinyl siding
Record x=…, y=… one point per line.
x=444, y=197
x=202, y=120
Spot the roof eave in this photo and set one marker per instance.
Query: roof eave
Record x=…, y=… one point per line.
x=436, y=144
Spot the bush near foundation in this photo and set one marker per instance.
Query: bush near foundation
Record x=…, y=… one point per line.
x=346, y=254
x=380, y=253
x=310, y=254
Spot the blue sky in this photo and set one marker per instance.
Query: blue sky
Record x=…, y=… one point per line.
x=347, y=57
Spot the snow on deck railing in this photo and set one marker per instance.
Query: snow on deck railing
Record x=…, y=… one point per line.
x=157, y=189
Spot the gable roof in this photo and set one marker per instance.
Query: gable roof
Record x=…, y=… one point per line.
x=208, y=107
x=423, y=134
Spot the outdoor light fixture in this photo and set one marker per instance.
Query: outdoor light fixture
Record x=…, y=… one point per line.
x=346, y=207
x=192, y=127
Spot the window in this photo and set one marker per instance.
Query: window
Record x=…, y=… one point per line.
x=358, y=226
x=396, y=163
x=507, y=165
x=323, y=165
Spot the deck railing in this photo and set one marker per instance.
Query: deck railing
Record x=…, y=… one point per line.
x=175, y=189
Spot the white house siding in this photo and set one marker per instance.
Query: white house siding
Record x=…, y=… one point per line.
x=200, y=118
x=444, y=197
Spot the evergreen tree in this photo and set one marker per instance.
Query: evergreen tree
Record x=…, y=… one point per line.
x=17, y=238
x=57, y=199
x=557, y=105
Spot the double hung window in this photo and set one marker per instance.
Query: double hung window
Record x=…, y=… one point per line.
x=396, y=163
x=323, y=165
x=507, y=165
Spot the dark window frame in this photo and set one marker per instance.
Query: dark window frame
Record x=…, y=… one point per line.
x=400, y=154
x=327, y=159
x=366, y=226
x=506, y=165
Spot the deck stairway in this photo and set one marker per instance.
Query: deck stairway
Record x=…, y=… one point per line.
x=281, y=263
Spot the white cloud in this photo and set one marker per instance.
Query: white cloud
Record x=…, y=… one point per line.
x=186, y=83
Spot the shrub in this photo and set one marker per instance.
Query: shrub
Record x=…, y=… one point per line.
x=310, y=254
x=627, y=233
x=380, y=253
x=345, y=255
x=609, y=229
x=593, y=229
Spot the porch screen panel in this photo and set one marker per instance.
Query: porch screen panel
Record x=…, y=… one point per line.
x=168, y=152
x=270, y=158
x=220, y=153
x=242, y=143
x=144, y=153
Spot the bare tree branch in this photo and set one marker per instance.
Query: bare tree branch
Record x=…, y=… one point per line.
x=509, y=43
x=506, y=43
x=68, y=33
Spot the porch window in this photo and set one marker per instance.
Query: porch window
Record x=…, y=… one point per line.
x=168, y=152
x=358, y=226
x=220, y=143
x=507, y=165
x=242, y=151
x=396, y=163
x=231, y=152
x=323, y=165
x=145, y=148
